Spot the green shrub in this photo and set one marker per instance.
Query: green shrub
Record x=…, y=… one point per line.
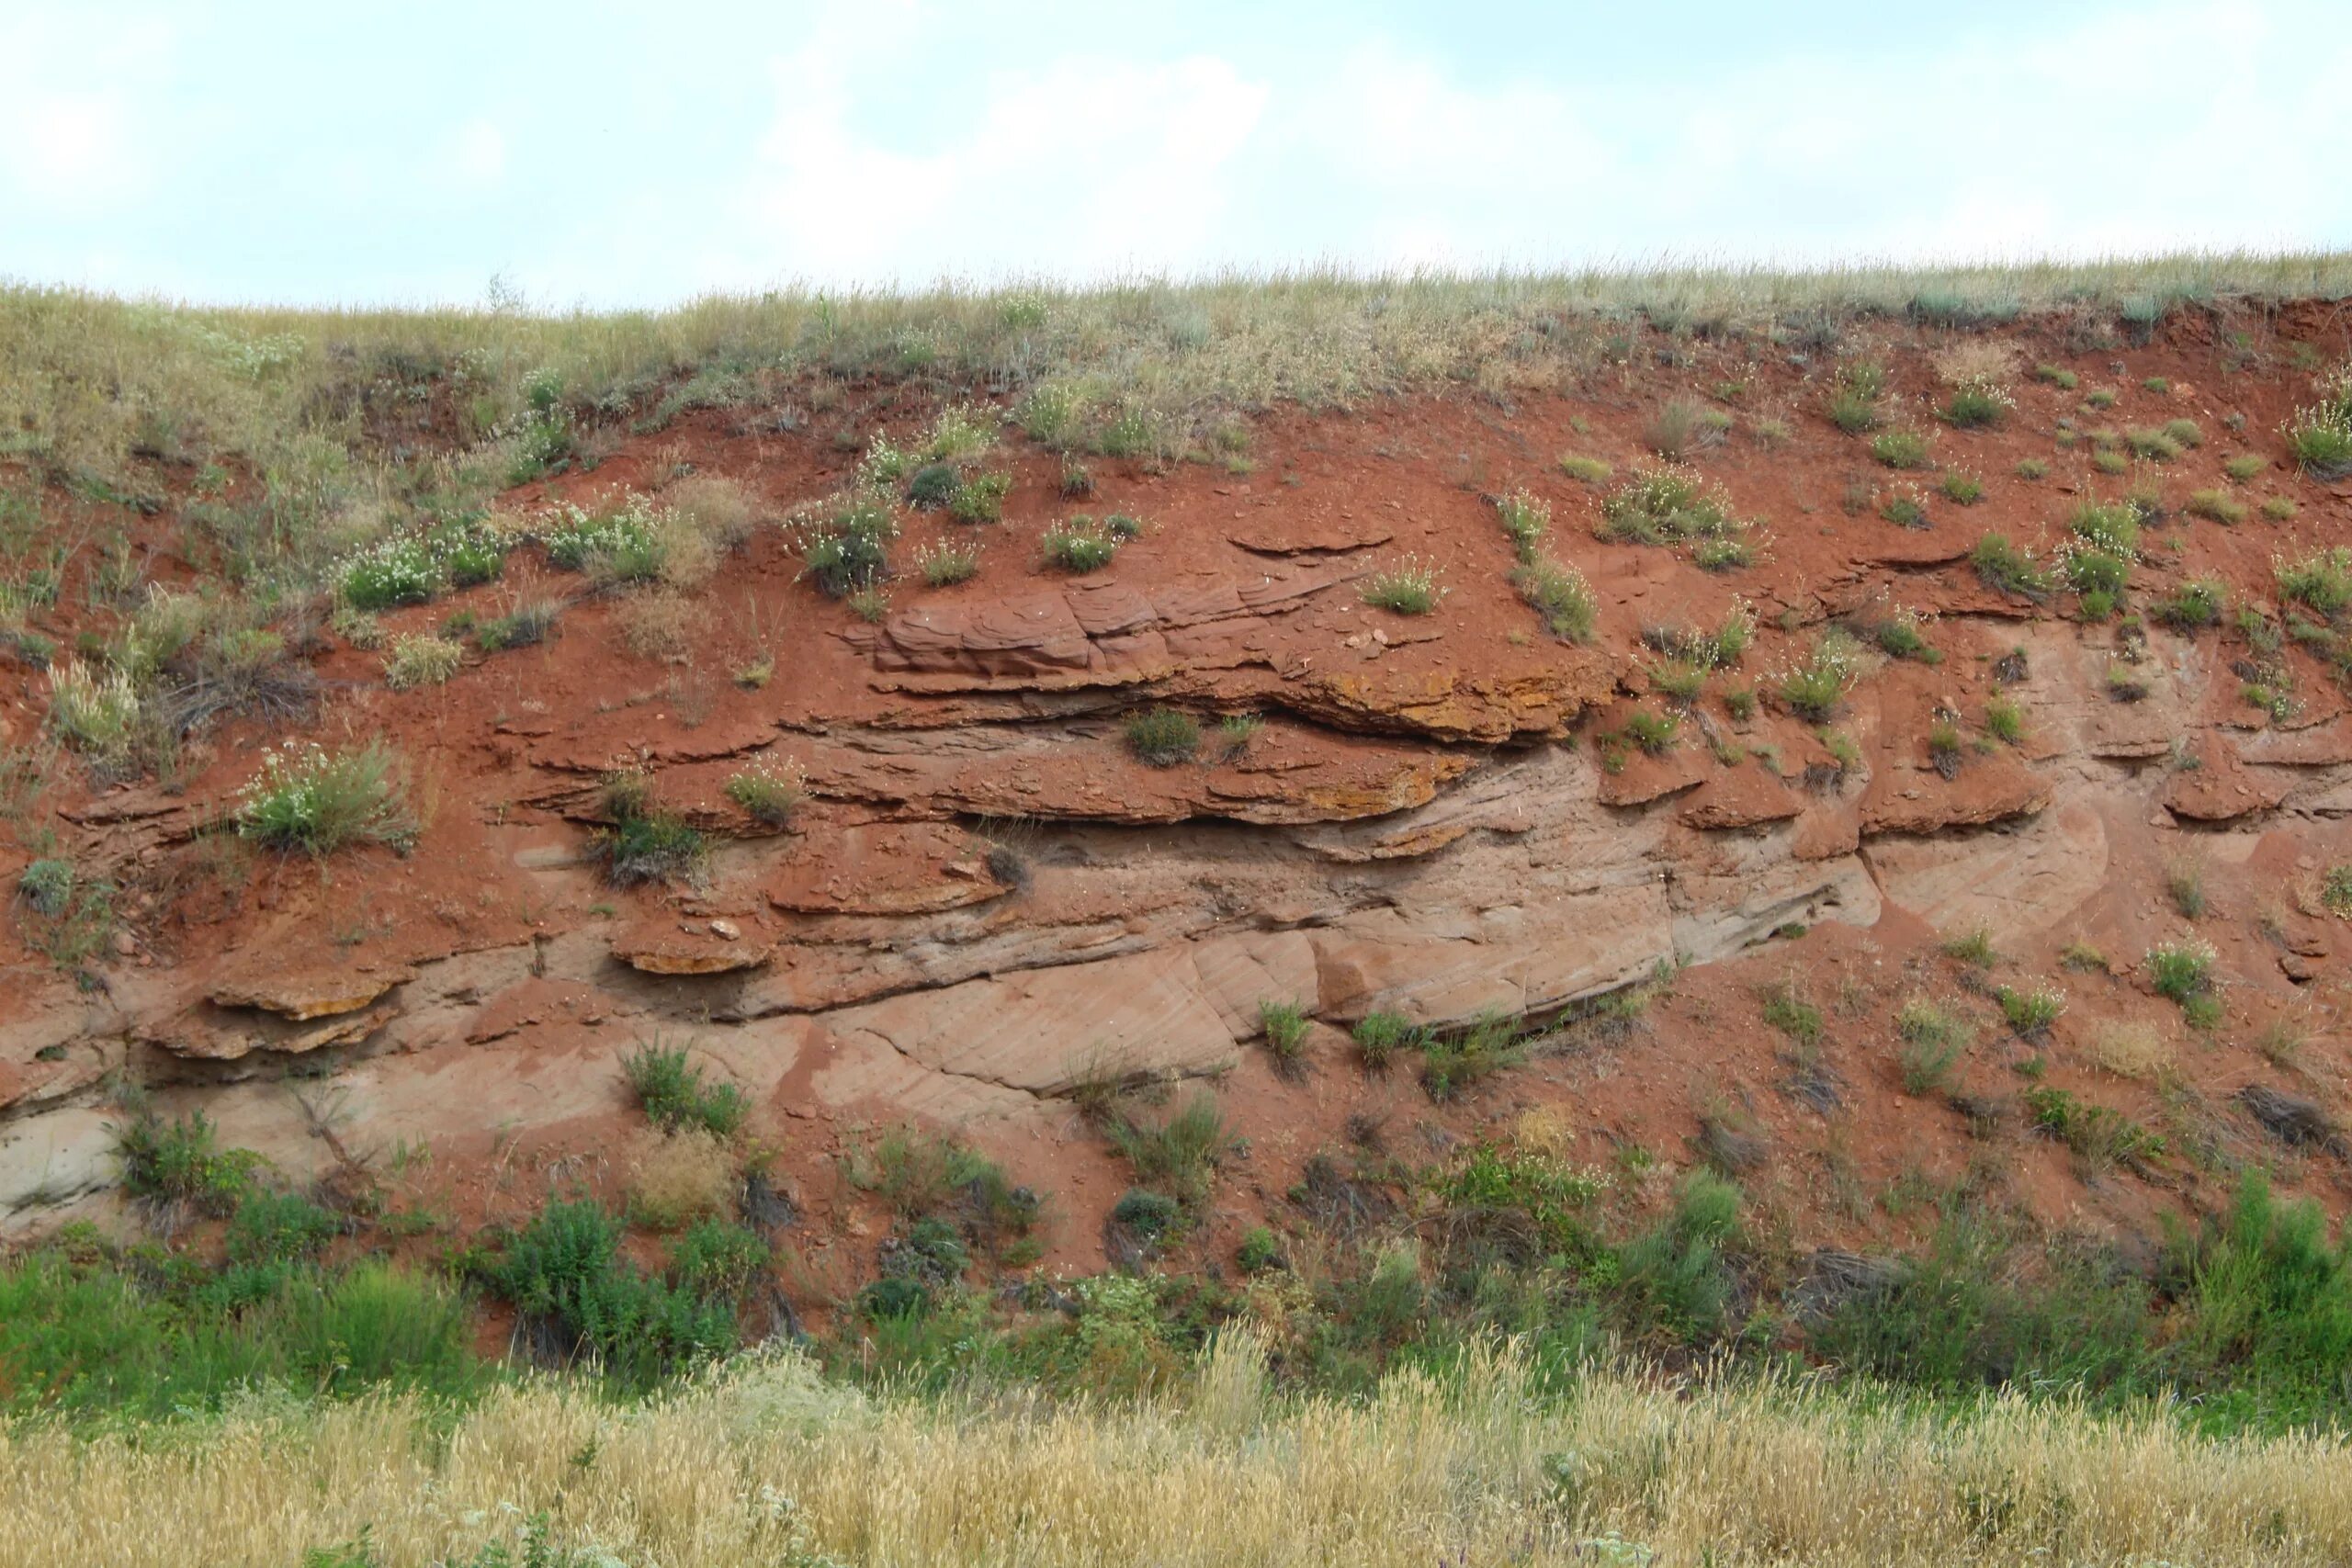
x=770, y=790
x=1259, y=1250
x=1380, y=1035
x=1813, y=690
x=1930, y=1040
x=525, y=626
x=278, y=1227
x=1961, y=487
x=2030, y=1012
x=1667, y=506
x=565, y=1273
x=1653, y=732
x=2008, y=569
x=100, y=717
x=981, y=499
x=1591, y=470
x=2064, y=381
x=1162, y=736
x=1904, y=507
x=934, y=486
x=2215, y=506
x=1284, y=1026
x=1561, y=597
x=2319, y=435
x=1853, y=403
x=1181, y=1153
x=1901, y=448
x=944, y=564
x=2243, y=467
x=1079, y=545
x=1792, y=1015
x=1977, y=404
x=2321, y=579
x=1972, y=947
x=385, y=576
x=322, y=801
x=47, y=886
x=2099, y=1135
x=2181, y=970
x=655, y=847
x=1405, y=587
x=2336, y=891
x=180, y=1162
x=1451, y=1065
x=850, y=551
x=2196, y=603
x=2004, y=720
x=2033, y=469
x=672, y=1092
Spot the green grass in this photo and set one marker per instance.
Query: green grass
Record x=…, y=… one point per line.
x=1079, y=545
x=1283, y=1024
x=1407, y=588
x=1667, y=505
x=1451, y=1063
x=1379, y=1035
x=1901, y=448
x=1163, y=737
x=2179, y=971
x=2321, y=579
x=674, y=1096
x=2008, y=568
x=1930, y=1040
x=2196, y=603
x=319, y=801
x=2029, y=1012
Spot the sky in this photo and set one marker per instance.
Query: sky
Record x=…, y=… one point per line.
x=622, y=155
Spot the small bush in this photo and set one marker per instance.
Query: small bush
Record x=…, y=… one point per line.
x=525, y=626
x=2320, y=435
x=1285, y=1025
x=2033, y=469
x=684, y=1178
x=1905, y=507
x=2245, y=467
x=1901, y=448
x=1561, y=597
x=2336, y=891
x=1972, y=947
x=1591, y=470
x=1407, y=588
x=2321, y=579
x=1653, y=732
x=945, y=564
x=654, y=847
x=1977, y=404
x=1079, y=545
x=2279, y=509
x=97, y=715
x=1667, y=506
x=2181, y=970
x=2215, y=507
x=674, y=1096
x=421, y=661
x=1853, y=404
x=1813, y=690
x=2004, y=720
x=981, y=499
x=1792, y=1015
x=1161, y=738
x=2031, y=1013
x=770, y=790
x=1380, y=1035
x=2195, y=603
x=2064, y=381
x=2185, y=885
x=849, y=552
x=2008, y=569
x=180, y=1162
x=1930, y=1041
x=1450, y=1066
x=934, y=486
x=322, y=801
x=1961, y=487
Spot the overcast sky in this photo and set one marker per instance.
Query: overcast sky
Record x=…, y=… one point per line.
x=610, y=154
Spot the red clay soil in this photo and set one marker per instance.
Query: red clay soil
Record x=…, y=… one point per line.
x=987, y=898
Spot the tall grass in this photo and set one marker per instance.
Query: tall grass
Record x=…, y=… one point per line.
x=765, y=1464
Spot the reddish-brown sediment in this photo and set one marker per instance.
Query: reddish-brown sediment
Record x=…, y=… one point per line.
x=985, y=898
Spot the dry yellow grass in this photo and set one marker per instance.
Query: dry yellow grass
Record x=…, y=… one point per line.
x=2133, y=1050
x=680, y=1178
x=767, y=1465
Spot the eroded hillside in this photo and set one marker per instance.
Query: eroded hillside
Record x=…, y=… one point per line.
x=1842, y=851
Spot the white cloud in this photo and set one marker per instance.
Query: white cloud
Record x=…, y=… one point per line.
x=477, y=154
x=76, y=129
x=1079, y=168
